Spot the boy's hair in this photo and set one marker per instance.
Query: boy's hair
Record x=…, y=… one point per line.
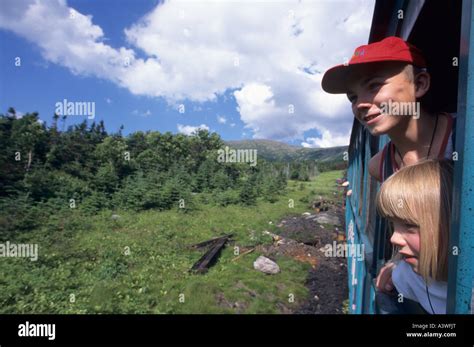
x=412, y=70
x=420, y=194
x=426, y=101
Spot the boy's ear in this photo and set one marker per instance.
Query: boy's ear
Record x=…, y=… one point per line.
x=422, y=83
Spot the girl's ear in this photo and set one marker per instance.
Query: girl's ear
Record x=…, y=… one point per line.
x=422, y=83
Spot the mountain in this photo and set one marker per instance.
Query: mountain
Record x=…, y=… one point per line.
x=279, y=151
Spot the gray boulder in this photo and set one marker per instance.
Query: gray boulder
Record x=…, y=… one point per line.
x=266, y=265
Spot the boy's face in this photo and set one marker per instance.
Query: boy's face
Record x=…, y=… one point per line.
x=371, y=84
x=407, y=238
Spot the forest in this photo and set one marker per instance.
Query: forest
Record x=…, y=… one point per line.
x=46, y=169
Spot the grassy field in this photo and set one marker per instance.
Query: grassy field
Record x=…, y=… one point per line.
x=139, y=263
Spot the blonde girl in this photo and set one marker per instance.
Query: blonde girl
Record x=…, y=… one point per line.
x=417, y=201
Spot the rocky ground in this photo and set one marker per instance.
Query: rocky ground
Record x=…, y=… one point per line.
x=304, y=238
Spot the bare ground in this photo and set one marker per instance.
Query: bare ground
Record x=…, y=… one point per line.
x=303, y=238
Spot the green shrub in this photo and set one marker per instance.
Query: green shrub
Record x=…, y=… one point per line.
x=95, y=202
x=19, y=214
x=248, y=195
x=227, y=197
x=304, y=199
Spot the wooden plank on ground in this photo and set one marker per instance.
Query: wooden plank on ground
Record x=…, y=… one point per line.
x=208, y=259
x=208, y=242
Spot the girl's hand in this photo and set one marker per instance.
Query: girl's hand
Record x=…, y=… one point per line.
x=346, y=185
x=384, y=278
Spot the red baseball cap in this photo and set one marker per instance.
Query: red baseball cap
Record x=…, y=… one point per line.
x=391, y=48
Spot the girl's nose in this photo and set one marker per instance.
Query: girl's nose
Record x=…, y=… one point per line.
x=397, y=239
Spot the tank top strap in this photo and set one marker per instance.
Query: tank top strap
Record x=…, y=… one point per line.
x=447, y=135
x=386, y=162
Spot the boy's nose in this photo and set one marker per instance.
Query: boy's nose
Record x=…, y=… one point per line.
x=363, y=104
x=397, y=239
x=361, y=109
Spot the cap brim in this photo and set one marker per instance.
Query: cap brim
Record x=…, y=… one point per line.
x=335, y=79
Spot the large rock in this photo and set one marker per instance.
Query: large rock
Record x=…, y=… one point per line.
x=327, y=218
x=266, y=265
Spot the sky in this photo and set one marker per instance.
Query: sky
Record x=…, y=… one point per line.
x=243, y=69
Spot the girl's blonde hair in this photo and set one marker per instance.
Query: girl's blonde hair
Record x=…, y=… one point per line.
x=420, y=194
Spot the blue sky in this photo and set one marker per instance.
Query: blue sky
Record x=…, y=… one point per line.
x=243, y=70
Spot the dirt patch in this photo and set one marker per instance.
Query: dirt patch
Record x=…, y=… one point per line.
x=328, y=288
x=238, y=306
x=315, y=229
x=290, y=248
x=304, y=238
x=242, y=286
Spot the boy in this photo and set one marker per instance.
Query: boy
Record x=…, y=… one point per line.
x=384, y=81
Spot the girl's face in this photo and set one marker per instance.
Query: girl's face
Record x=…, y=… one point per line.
x=407, y=238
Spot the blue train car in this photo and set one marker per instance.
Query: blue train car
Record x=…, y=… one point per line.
x=444, y=31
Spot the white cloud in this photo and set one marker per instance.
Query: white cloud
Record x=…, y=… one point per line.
x=189, y=129
x=221, y=119
x=327, y=140
x=17, y=115
x=260, y=50
x=269, y=74
x=108, y=100
x=65, y=38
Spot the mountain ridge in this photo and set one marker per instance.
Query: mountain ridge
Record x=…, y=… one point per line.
x=279, y=151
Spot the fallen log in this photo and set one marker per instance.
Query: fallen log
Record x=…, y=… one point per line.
x=209, y=258
x=208, y=242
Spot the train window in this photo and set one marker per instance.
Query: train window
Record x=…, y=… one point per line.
x=440, y=44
